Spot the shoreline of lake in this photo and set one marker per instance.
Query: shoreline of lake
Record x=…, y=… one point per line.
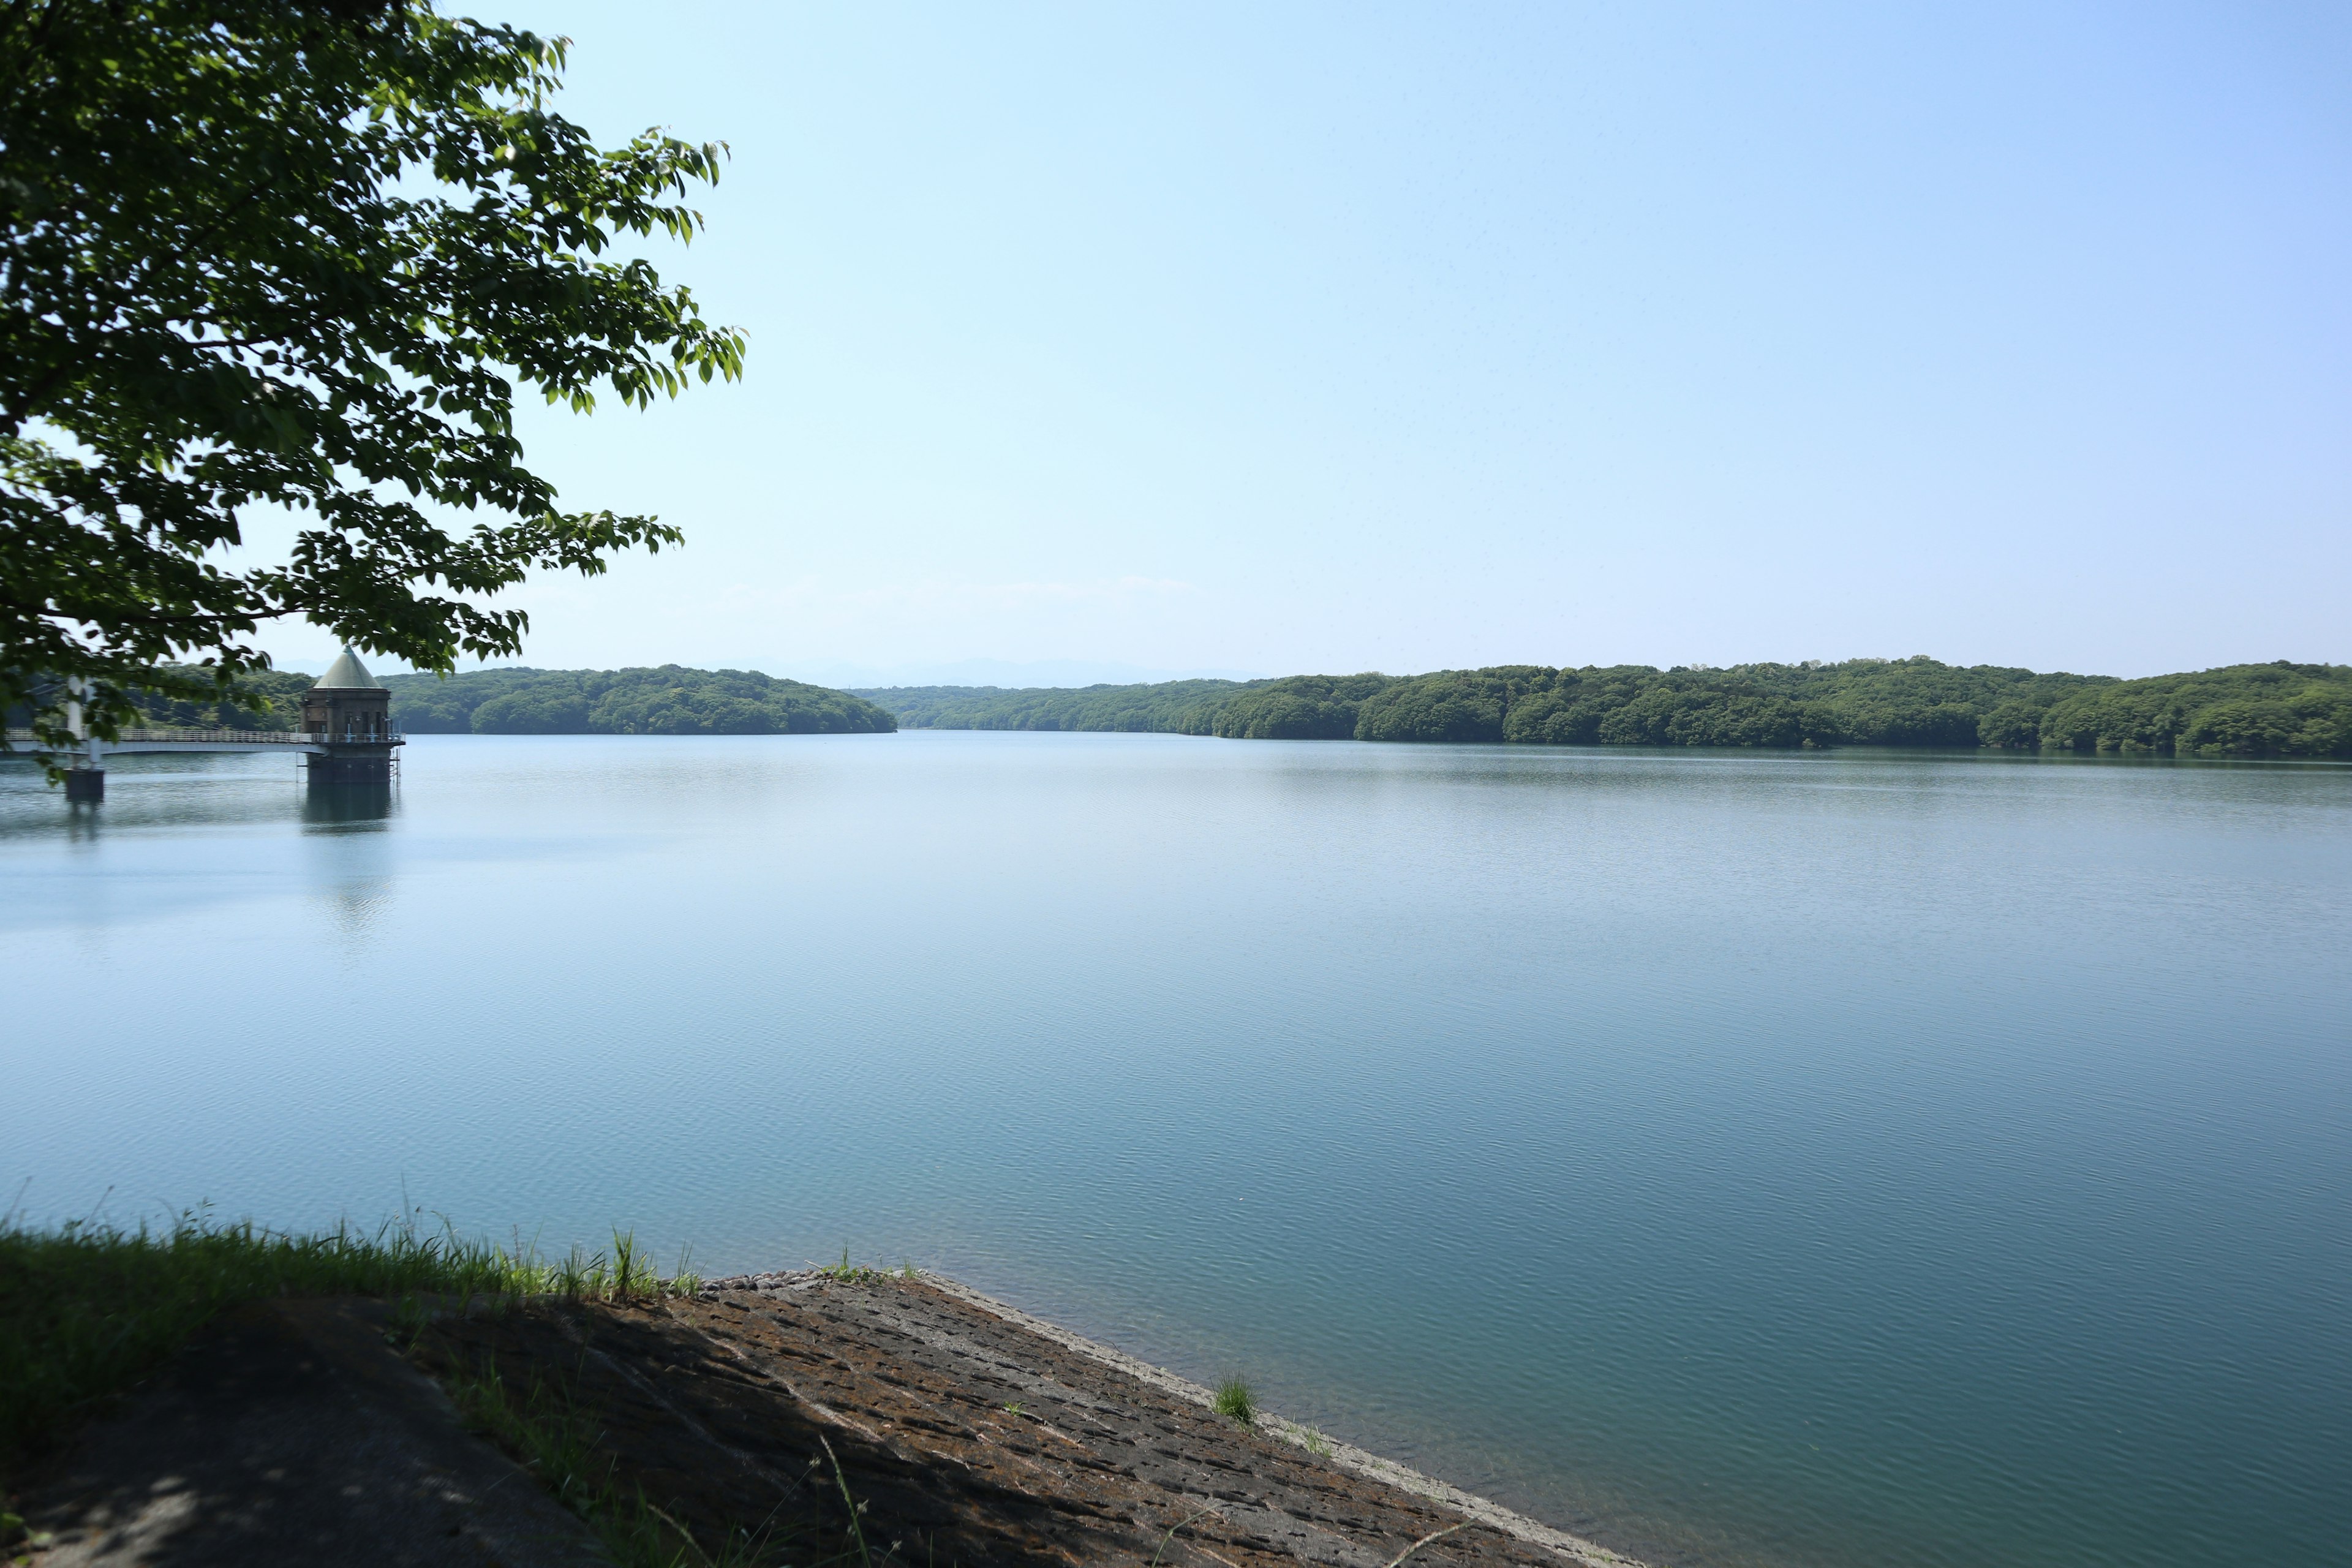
x=1373, y=1467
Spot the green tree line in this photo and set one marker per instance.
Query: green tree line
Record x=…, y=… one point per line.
x=1136, y=709
x=670, y=701
x=260, y=700
x=2281, y=709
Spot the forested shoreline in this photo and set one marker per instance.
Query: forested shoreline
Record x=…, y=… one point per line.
x=2281, y=710
x=667, y=701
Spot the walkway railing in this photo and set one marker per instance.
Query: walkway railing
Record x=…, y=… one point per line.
x=243, y=737
x=236, y=737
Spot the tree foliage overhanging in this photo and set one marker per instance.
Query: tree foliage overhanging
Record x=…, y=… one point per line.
x=300, y=255
x=2244, y=711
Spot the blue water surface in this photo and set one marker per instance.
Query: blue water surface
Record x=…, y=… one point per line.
x=1888, y=1159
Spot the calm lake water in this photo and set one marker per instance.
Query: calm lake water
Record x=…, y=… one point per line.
x=1834, y=1160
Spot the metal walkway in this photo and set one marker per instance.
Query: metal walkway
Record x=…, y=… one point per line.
x=311, y=743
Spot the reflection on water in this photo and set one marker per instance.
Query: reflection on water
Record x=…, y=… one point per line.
x=1752, y=1160
x=332, y=807
x=357, y=876
x=175, y=809
x=148, y=792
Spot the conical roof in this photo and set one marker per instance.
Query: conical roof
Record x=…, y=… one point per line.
x=347, y=673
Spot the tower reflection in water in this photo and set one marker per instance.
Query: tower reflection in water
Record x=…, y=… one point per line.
x=343, y=805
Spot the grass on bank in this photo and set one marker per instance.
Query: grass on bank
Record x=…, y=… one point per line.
x=850, y=1273
x=88, y=1309
x=1235, y=1403
x=544, y=1431
x=1314, y=1439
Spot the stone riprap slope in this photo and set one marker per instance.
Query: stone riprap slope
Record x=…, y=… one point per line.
x=966, y=1434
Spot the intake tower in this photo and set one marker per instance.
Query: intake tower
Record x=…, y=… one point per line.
x=349, y=712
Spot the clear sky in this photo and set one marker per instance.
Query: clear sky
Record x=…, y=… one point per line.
x=1112, y=338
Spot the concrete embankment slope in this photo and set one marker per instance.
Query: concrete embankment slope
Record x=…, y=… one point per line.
x=797, y=1419
x=1386, y=1472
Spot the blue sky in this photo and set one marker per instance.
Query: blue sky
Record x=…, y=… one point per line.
x=1112, y=339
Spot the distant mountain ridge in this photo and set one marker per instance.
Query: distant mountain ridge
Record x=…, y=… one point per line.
x=2241, y=710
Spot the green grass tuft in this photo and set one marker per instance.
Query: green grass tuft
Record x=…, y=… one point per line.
x=856, y=1509
x=1235, y=1403
x=851, y=1273
x=1310, y=1438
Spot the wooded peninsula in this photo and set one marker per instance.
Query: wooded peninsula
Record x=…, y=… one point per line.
x=2279, y=710
x=669, y=700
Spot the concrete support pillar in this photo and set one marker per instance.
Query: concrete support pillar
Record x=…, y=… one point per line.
x=86, y=781
x=352, y=765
